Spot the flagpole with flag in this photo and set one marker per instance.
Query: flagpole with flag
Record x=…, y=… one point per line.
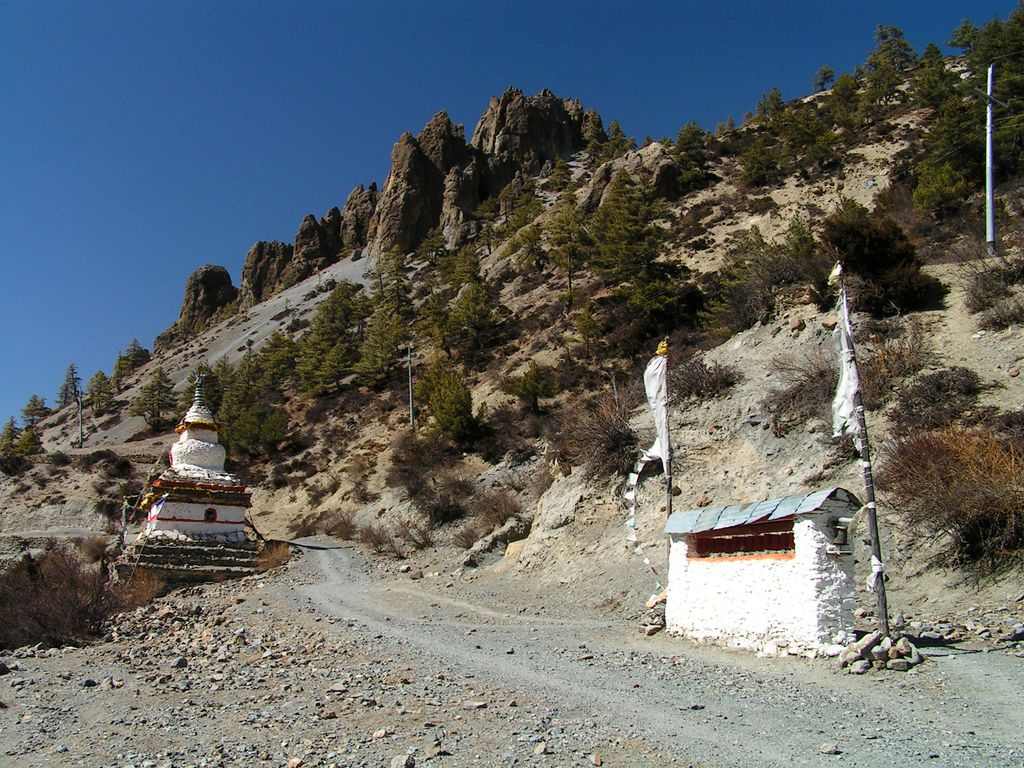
x=848, y=420
x=656, y=387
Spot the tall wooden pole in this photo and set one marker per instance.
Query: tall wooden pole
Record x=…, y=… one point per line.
x=864, y=448
x=990, y=217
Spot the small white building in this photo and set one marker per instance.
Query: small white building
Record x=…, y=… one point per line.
x=772, y=576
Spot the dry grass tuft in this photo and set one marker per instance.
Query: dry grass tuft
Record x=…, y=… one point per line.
x=889, y=357
x=415, y=533
x=693, y=378
x=467, y=535
x=273, y=555
x=342, y=524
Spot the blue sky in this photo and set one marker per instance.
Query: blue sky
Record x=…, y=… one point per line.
x=139, y=141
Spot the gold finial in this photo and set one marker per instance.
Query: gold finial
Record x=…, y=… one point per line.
x=662, y=347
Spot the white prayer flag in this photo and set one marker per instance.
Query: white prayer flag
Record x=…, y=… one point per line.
x=844, y=409
x=656, y=386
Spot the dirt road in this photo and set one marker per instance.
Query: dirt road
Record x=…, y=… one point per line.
x=716, y=707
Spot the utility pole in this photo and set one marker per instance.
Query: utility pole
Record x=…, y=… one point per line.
x=412, y=412
x=990, y=217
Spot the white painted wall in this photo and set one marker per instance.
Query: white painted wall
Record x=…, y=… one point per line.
x=190, y=519
x=805, y=603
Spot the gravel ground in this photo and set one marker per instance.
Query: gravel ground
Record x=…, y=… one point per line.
x=329, y=662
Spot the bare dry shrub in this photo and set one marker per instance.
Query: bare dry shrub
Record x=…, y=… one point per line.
x=493, y=508
x=1006, y=313
x=141, y=588
x=988, y=282
x=964, y=488
x=890, y=356
x=358, y=470
x=695, y=378
x=598, y=436
x=273, y=555
x=94, y=549
x=341, y=524
x=416, y=460
x=380, y=540
x=467, y=535
x=808, y=386
x=446, y=499
x=935, y=401
x=303, y=527
x=416, y=533
x=55, y=599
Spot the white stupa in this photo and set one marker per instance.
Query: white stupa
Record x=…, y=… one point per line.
x=195, y=498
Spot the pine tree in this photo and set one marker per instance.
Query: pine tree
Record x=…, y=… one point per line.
x=886, y=63
x=331, y=344
x=156, y=399
x=28, y=443
x=588, y=330
x=277, y=358
x=100, y=392
x=532, y=385
x=560, y=176
x=626, y=237
x=71, y=388
x=432, y=247
x=472, y=318
x=570, y=242
x=934, y=83
x=9, y=436
x=823, y=77
x=379, y=352
x=448, y=399
x=34, y=410
x=529, y=248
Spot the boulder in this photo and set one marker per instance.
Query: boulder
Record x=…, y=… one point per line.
x=653, y=164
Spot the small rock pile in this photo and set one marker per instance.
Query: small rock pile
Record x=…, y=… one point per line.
x=878, y=651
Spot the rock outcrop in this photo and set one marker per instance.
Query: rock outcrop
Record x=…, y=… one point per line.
x=207, y=290
x=263, y=271
x=519, y=134
x=438, y=180
x=652, y=164
x=413, y=195
x=356, y=215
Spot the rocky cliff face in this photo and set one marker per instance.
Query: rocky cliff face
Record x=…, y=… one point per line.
x=270, y=267
x=519, y=134
x=207, y=290
x=413, y=195
x=437, y=179
x=262, y=274
x=356, y=215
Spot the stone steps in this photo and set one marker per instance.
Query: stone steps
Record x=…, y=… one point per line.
x=184, y=560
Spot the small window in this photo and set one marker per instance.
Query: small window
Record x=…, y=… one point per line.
x=210, y=515
x=757, y=539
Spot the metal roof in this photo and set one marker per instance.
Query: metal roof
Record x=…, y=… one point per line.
x=713, y=518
